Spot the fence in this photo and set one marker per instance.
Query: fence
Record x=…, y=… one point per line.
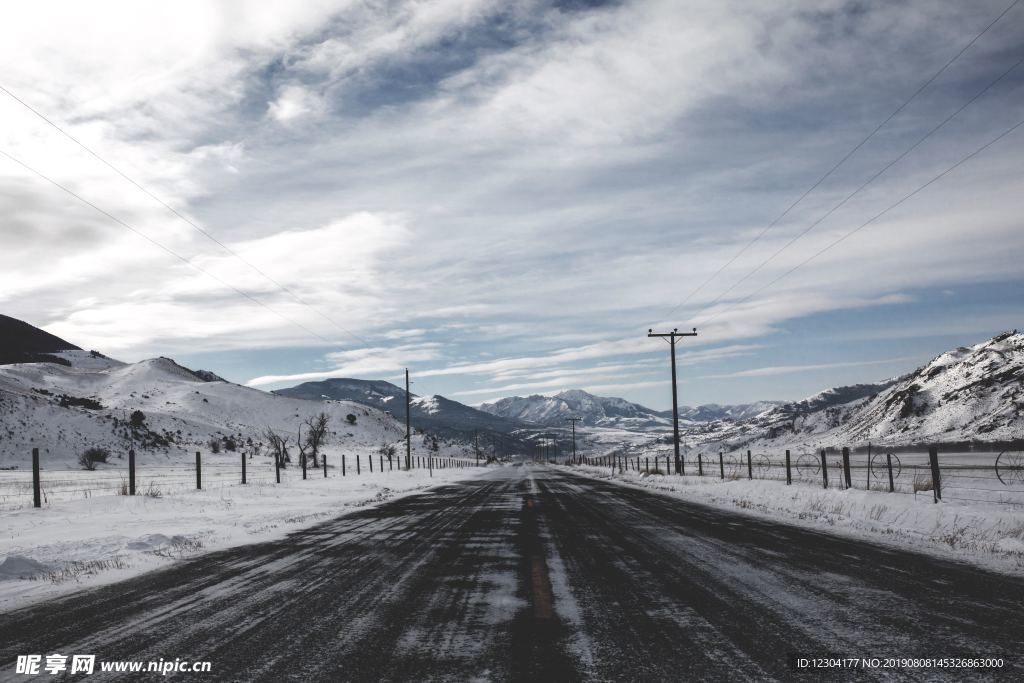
x=955, y=476
x=46, y=485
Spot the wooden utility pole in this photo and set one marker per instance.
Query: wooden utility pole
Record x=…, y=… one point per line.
x=671, y=336
x=574, y=420
x=408, y=436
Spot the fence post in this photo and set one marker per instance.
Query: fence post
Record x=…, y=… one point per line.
x=846, y=467
x=343, y=464
x=933, y=458
x=325, y=465
x=750, y=467
x=824, y=468
x=700, y=464
x=868, y=482
x=277, y=467
x=243, y=468
x=888, y=463
x=381, y=464
x=721, y=464
x=37, y=498
x=357, y=464
x=369, y=459
x=199, y=472
x=131, y=471
x=789, y=472
x=647, y=464
x=303, y=457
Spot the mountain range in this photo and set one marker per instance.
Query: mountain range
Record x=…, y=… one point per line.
x=54, y=394
x=435, y=413
x=971, y=393
x=603, y=411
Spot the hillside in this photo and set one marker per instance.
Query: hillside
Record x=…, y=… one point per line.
x=23, y=343
x=434, y=413
x=968, y=394
x=63, y=409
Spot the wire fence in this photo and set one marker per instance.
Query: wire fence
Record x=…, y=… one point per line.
x=40, y=485
x=974, y=477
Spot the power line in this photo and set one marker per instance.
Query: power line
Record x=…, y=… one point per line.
x=878, y=215
x=843, y=160
x=181, y=216
x=162, y=246
x=863, y=185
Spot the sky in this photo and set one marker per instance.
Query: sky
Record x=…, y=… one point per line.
x=504, y=196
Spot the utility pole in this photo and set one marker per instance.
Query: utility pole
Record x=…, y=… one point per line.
x=574, y=420
x=672, y=336
x=408, y=436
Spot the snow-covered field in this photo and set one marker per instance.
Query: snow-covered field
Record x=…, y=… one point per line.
x=88, y=541
x=987, y=534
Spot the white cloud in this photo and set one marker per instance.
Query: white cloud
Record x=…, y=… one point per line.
x=295, y=103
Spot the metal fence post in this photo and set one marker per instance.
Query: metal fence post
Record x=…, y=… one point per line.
x=357, y=464
x=243, y=468
x=750, y=467
x=721, y=464
x=789, y=472
x=824, y=468
x=325, y=465
x=933, y=459
x=131, y=471
x=846, y=467
x=700, y=464
x=277, y=467
x=867, y=483
x=888, y=463
x=303, y=457
x=199, y=472
x=343, y=464
x=37, y=498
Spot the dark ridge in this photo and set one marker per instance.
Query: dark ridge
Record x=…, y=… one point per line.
x=24, y=343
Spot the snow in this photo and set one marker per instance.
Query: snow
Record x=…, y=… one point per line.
x=73, y=544
x=177, y=405
x=988, y=535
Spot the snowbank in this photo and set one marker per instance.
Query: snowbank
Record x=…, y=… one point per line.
x=986, y=534
x=75, y=544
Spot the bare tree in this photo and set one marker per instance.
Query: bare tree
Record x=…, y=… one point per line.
x=278, y=446
x=316, y=436
x=387, y=450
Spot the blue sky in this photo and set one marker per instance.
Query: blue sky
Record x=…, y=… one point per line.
x=504, y=196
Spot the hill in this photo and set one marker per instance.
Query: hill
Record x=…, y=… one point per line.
x=968, y=394
x=23, y=343
x=434, y=413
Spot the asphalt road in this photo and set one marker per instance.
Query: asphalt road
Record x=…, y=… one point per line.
x=536, y=574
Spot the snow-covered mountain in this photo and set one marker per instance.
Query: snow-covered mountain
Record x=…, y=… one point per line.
x=435, y=413
x=82, y=399
x=603, y=411
x=968, y=394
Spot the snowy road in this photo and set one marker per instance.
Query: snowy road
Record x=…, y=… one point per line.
x=536, y=574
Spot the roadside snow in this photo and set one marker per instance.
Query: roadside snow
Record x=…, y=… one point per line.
x=985, y=534
x=69, y=545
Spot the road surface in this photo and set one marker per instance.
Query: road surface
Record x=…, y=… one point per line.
x=536, y=574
